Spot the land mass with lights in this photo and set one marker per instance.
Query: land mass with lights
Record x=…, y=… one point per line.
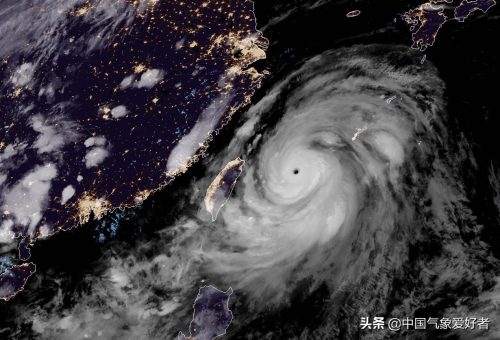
x=108, y=110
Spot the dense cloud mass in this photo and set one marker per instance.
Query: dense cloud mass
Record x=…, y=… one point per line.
x=328, y=188
x=349, y=168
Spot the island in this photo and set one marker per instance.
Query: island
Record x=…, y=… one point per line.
x=465, y=8
x=13, y=279
x=353, y=14
x=427, y=19
x=222, y=186
x=211, y=316
x=425, y=22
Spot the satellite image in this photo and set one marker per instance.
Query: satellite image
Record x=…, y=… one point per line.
x=249, y=169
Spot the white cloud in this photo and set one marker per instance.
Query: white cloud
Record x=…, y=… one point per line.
x=179, y=44
x=67, y=193
x=50, y=139
x=119, y=111
x=6, y=234
x=97, y=153
x=48, y=92
x=187, y=147
x=95, y=141
x=26, y=200
x=95, y=156
x=8, y=161
x=8, y=152
x=150, y=78
x=127, y=81
x=23, y=75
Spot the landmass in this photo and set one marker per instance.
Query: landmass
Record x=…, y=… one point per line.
x=353, y=14
x=465, y=8
x=111, y=105
x=13, y=279
x=222, y=186
x=211, y=316
x=426, y=20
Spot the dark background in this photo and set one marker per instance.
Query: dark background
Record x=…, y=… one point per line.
x=466, y=55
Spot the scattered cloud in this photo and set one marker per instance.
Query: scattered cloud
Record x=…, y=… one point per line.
x=98, y=152
x=6, y=233
x=67, y=193
x=148, y=79
x=53, y=133
x=127, y=81
x=48, y=92
x=26, y=200
x=23, y=75
x=49, y=139
x=95, y=156
x=189, y=145
x=119, y=111
x=8, y=152
x=95, y=141
x=179, y=44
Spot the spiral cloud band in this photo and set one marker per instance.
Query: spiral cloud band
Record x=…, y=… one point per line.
x=326, y=186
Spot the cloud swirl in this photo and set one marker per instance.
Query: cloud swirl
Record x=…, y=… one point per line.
x=350, y=126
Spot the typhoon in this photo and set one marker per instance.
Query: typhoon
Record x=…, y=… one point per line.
x=336, y=176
